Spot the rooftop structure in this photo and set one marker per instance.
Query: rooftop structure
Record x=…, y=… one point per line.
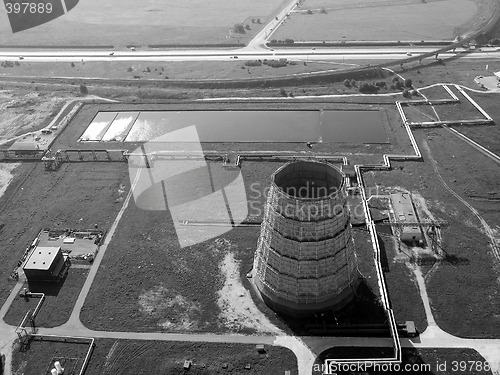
x=405, y=215
x=46, y=264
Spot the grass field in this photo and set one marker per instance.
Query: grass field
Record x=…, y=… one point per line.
x=127, y=22
x=156, y=285
x=426, y=360
x=77, y=196
x=129, y=357
x=59, y=300
x=378, y=20
x=166, y=70
x=463, y=288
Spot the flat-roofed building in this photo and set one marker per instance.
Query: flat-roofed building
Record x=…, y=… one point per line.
x=406, y=217
x=46, y=264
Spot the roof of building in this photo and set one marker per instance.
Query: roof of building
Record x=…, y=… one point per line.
x=41, y=258
x=24, y=146
x=404, y=211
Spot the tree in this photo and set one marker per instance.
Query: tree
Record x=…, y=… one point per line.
x=72, y=64
x=282, y=92
x=309, y=11
x=347, y=83
x=83, y=89
x=323, y=10
x=258, y=20
x=406, y=93
x=408, y=82
x=239, y=29
x=247, y=27
x=253, y=20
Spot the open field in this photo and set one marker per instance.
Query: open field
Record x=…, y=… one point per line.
x=463, y=287
x=25, y=111
x=42, y=354
x=77, y=196
x=402, y=286
x=426, y=360
x=155, y=285
x=166, y=70
x=59, y=300
x=129, y=357
x=122, y=23
x=382, y=20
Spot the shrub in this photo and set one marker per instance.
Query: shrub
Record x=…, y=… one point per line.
x=406, y=93
x=129, y=69
x=414, y=92
x=83, y=89
x=253, y=20
x=290, y=94
x=494, y=42
x=258, y=20
x=354, y=83
x=277, y=64
x=323, y=10
x=253, y=63
x=365, y=87
x=395, y=79
x=408, y=83
x=380, y=84
x=289, y=41
x=72, y=64
x=347, y=83
x=309, y=11
x=274, y=41
x=17, y=63
x=239, y=29
x=282, y=92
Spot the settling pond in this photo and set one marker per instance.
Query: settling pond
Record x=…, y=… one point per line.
x=331, y=126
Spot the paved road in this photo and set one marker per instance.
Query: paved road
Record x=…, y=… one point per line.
x=326, y=54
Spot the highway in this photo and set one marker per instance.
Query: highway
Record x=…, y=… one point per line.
x=323, y=54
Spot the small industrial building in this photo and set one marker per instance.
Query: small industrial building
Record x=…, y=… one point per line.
x=406, y=218
x=46, y=264
x=25, y=149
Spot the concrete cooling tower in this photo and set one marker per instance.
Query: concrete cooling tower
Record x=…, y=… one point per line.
x=305, y=261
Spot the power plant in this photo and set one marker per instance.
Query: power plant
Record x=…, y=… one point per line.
x=305, y=261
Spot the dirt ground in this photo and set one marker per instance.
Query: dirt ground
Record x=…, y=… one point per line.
x=381, y=20
x=22, y=111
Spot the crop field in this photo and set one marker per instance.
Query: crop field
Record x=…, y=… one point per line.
x=365, y=20
x=128, y=22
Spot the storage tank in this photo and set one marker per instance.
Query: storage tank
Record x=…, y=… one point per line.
x=305, y=261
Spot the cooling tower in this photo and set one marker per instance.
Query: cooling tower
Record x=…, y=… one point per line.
x=305, y=260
